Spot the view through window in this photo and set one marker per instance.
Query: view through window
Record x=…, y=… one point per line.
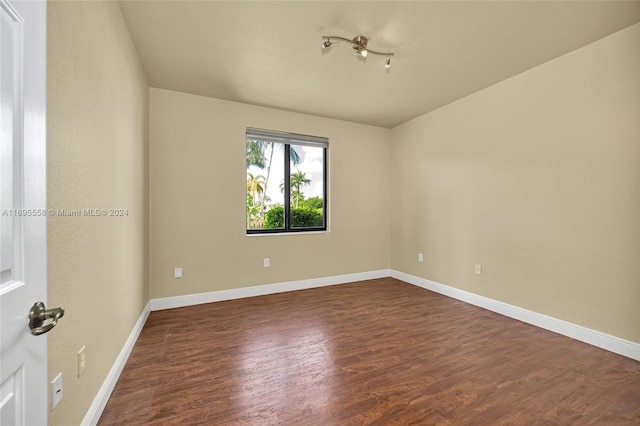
x=286, y=182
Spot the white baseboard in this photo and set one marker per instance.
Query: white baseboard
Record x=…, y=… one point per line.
x=583, y=334
x=101, y=399
x=261, y=290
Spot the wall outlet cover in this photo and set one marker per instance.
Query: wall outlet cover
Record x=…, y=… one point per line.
x=56, y=391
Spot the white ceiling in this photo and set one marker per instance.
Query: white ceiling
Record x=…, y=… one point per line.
x=268, y=52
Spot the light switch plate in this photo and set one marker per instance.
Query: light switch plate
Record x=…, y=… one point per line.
x=82, y=360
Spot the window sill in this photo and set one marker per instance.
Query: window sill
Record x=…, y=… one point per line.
x=280, y=234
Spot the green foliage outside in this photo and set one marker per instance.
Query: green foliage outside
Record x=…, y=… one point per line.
x=312, y=203
x=300, y=218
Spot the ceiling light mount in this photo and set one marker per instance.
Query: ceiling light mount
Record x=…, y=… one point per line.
x=359, y=44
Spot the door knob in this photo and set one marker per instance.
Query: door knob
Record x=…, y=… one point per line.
x=39, y=314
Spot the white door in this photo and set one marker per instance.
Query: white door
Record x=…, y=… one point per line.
x=23, y=357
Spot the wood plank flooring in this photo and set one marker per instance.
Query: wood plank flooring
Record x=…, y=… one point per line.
x=374, y=352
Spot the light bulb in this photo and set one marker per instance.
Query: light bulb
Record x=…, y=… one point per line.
x=387, y=63
x=364, y=53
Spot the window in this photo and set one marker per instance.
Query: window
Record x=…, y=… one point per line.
x=286, y=182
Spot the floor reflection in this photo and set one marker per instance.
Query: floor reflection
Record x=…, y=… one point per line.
x=274, y=364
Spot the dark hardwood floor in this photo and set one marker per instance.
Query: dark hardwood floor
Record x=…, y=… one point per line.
x=374, y=352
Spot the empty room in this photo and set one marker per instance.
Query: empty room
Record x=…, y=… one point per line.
x=320, y=213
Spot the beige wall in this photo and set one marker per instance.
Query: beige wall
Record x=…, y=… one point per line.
x=198, y=198
x=538, y=179
x=97, y=150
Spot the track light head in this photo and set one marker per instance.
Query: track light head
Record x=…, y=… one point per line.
x=326, y=43
x=387, y=63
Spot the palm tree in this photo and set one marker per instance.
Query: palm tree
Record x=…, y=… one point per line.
x=255, y=154
x=298, y=180
x=255, y=187
x=255, y=198
x=256, y=157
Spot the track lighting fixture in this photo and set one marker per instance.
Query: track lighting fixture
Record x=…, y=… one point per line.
x=359, y=44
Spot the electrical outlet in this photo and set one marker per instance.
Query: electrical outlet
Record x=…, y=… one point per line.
x=56, y=391
x=267, y=262
x=478, y=269
x=420, y=257
x=82, y=361
x=177, y=272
